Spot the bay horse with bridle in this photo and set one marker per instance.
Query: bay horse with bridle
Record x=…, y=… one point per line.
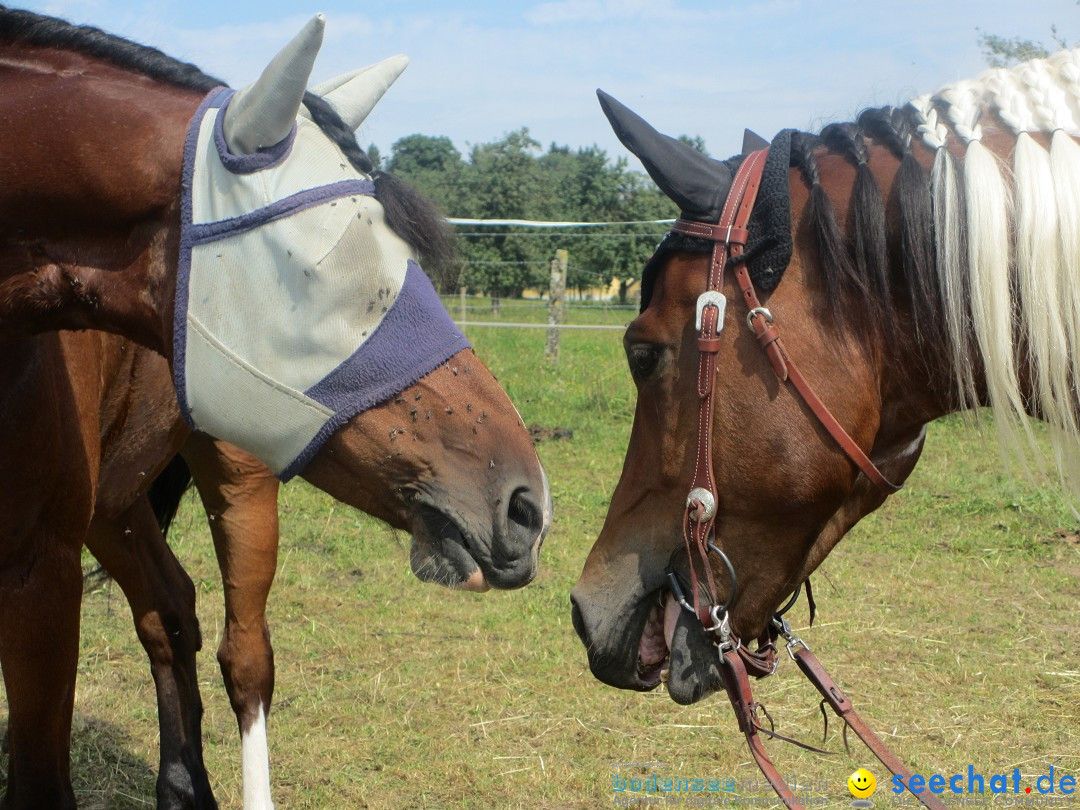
x=248, y=240
x=819, y=301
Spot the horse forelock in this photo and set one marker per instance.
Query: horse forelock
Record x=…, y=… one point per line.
x=671, y=243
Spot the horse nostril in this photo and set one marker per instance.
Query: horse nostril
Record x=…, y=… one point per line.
x=525, y=516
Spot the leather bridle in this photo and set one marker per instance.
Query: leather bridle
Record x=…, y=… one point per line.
x=729, y=236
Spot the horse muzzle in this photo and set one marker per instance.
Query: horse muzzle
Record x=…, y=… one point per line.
x=643, y=640
x=475, y=553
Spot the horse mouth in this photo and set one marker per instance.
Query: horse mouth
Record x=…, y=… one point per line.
x=657, y=638
x=442, y=552
x=675, y=651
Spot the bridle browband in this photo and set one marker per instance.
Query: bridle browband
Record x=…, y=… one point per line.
x=729, y=236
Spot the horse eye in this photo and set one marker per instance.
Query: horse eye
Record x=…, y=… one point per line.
x=643, y=358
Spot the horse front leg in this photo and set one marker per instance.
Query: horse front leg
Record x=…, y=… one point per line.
x=40, y=596
x=162, y=600
x=239, y=494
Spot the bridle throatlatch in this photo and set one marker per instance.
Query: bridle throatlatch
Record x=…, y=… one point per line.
x=729, y=237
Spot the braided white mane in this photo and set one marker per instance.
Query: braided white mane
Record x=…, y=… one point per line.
x=1008, y=255
x=1042, y=95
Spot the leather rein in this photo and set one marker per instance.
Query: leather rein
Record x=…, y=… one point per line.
x=729, y=237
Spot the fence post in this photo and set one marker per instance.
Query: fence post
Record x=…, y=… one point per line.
x=461, y=291
x=556, y=311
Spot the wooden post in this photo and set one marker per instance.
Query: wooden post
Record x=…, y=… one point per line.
x=556, y=309
x=462, y=291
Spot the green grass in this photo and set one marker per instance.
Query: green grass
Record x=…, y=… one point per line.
x=949, y=616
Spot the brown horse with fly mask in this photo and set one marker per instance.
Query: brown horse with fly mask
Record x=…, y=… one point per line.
x=821, y=299
x=99, y=228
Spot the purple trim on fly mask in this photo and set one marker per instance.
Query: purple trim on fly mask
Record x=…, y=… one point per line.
x=212, y=231
x=414, y=338
x=265, y=158
x=183, y=270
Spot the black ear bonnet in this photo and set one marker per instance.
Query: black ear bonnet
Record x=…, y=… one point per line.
x=699, y=186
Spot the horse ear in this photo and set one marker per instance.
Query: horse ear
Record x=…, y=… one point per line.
x=263, y=113
x=752, y=142
x=696, y=183
x=353, y=95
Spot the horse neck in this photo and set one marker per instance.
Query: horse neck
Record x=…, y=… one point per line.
x=89, y=190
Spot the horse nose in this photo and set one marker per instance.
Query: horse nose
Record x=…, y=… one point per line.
x=525, y=519
x=604, y=639
x=515, y=551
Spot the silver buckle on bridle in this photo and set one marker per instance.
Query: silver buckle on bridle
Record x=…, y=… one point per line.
x=711, y=298
x=754, y=313
x=784, y=629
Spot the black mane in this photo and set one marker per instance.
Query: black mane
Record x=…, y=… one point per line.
x=409, y=214
x=867, y=269
x=26, y=27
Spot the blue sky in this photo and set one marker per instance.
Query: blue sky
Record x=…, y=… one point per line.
x=481, y=69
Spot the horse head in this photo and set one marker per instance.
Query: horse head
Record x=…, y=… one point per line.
x=785, y=491
x=307, y=333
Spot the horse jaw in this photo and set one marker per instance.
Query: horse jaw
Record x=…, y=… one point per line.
x=449, y=461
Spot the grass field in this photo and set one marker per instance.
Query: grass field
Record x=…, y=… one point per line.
x=949, y=616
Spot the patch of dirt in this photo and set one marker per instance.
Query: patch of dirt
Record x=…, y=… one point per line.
x=1071, y=537
x=540, y=433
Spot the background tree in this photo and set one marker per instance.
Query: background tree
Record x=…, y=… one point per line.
x=504, y=182
x=433, y=165
x=511, y=178
x=375, y=155
x=1002, y=51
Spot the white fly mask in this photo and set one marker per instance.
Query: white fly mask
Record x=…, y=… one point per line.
x=297, y=307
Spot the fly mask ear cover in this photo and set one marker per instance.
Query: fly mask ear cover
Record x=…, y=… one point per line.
x=296, y=307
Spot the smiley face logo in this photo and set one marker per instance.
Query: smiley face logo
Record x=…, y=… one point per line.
x=862, y=784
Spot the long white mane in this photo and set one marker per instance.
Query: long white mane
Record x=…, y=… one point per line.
x=1008, y=245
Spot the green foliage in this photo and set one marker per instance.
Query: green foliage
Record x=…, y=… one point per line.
x=1002, y=51
x=695, y=141
x=432, y=164
x=375, y=155
x=514, y=178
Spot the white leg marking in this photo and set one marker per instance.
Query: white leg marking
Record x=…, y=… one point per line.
x=256, y=758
